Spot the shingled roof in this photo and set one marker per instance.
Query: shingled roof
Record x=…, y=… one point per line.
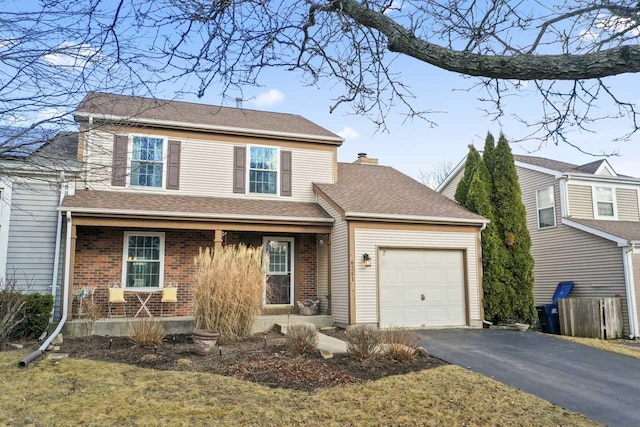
x=382, y=190
x=629, y=230
x=559, y=166
x=189, y=206
x=199, y=115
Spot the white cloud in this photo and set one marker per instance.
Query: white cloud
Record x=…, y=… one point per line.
x=395, y=6
x=72, y=55
x=348, y=133
x=271, y=97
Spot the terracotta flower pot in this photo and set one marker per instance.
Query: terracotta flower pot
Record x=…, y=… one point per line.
x=205, y=341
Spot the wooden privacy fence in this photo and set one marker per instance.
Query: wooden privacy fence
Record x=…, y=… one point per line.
x=591, y=317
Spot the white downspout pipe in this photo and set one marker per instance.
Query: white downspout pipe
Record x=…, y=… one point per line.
x=65, y=301
x=56, y=256
x=627, y=259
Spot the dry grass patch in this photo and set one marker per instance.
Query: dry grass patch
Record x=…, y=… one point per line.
x=100, y=393
x=615, y=346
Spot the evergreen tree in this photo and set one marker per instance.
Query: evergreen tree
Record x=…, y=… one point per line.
x=497, y=291
x=511, y=221
x=473, y=158
x=489, y=149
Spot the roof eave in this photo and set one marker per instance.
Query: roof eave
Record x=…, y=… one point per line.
x=331, y=140
x=620, y=241
x=194, y=215
x=610, y=179
x=366, y=216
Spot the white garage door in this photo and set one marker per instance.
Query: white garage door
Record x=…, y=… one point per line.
x=421, y=288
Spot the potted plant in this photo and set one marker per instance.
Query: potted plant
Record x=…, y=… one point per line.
x=227, y=294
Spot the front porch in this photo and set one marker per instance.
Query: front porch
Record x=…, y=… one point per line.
x=118, y=327
x=144, y=260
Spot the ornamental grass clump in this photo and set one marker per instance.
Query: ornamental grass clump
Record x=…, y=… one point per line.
x=302, y=340
x=228, y=290
x=146, y=331
x=364, y=342
x=401, y=343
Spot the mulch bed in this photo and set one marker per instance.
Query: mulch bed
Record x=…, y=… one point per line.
x=257, y=359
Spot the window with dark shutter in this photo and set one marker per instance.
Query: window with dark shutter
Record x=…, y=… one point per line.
x=173, y=165
x=239, y=169
x=119, y=165
x=285, y=173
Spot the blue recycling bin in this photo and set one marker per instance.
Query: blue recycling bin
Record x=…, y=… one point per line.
x=548, y=313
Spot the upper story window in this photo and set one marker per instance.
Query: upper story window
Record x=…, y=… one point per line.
x=147, y=161
x=605, y=202
x=143, y=260
x=546, y=207
x=263, y=170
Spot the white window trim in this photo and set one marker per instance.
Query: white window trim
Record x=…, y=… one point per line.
x=278, y=173
x=164, y=161
x=553, y=206
x=125, y=250
x=5, y=217
x=594, y=195
x=265, y=240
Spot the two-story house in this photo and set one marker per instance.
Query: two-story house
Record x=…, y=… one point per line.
x=165, y=178
x=584, y=222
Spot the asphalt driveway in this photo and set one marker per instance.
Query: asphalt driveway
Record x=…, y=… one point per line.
x=602, y=385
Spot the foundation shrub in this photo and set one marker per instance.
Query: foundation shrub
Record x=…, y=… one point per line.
x=302, y=340
x=401, y=343
x=364, y=342
x=146, y=331
x=228, y=290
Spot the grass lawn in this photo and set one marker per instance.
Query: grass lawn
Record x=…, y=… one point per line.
x=82, y=392
x=615, y=346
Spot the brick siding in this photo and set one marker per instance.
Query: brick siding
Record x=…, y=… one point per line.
x=98, y=261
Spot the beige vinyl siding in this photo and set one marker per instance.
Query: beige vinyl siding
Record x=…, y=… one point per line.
x=564, y=253
x=322, y=279
x=580, y=201
x=627, y=204
x=339, y=264
x=605, y=172
x=635, y=260
x=368, y=241
x=207, y=169
x=450, y=189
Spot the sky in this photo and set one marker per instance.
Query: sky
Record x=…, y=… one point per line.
x=416, y=145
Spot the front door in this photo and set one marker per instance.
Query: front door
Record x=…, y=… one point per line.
x=279, y=283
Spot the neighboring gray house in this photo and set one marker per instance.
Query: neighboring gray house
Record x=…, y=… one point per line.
x=31, y=188
x=584, y=222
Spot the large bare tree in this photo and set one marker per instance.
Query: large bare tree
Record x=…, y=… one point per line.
x=562, y=54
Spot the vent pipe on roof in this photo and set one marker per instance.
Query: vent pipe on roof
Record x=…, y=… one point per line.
x=364, y=160
x=238, y=102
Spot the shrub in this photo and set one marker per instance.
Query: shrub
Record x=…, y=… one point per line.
x=11, y=308
x=37, y=312
x=302, y=340
x=90, y=312
x=228, y=290
x=146, y=331
x=402, y=344
x=364, y=342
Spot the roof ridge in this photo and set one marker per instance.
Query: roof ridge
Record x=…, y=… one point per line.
x=200, y=104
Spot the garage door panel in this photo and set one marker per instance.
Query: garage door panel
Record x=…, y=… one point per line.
x=408, y=274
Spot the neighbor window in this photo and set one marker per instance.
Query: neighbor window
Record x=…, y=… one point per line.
x=263, y=170
x=546, y=208
x=604, y=202
x=143, y=260
x=147, y=161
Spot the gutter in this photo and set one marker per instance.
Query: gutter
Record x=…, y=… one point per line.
x=65, y=301
x=627, y=261
x=334, y=140
x=448, y=220
x=194, y=215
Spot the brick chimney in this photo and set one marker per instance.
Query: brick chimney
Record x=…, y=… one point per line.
x=364, y=160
